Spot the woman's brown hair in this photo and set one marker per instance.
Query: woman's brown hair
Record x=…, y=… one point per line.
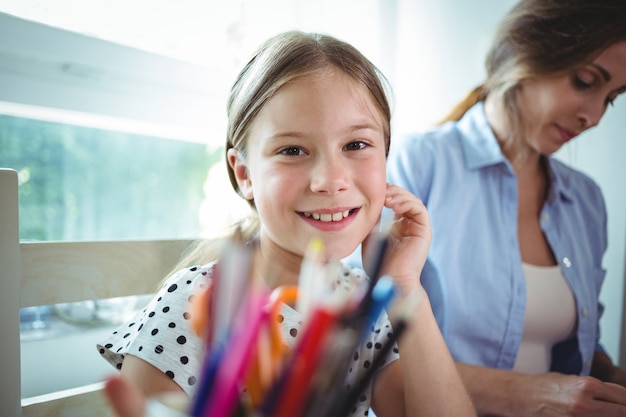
x=543, y=38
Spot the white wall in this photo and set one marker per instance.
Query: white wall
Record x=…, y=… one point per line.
x=440, y=54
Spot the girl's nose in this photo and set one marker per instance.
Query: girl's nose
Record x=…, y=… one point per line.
x=329, y=175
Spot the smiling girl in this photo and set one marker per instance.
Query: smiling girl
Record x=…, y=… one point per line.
x=307, y=140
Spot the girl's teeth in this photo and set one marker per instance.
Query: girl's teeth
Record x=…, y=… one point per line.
x=328, y=217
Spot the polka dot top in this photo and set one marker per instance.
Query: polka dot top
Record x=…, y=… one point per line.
x=161, y=333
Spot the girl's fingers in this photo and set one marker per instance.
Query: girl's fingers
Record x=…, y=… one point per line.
x=125, y=399
x=408, y=210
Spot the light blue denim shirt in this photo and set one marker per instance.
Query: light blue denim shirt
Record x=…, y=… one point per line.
x=474, y=271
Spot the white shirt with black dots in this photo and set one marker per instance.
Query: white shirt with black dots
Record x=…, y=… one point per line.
x=161, y=333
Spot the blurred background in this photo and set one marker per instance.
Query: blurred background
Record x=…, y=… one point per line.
x=114, y=110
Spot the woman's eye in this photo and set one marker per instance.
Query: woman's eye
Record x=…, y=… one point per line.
x=614, y=95
x=355, y=146
x=292, y=151
x=610, y=101
x=581, y=83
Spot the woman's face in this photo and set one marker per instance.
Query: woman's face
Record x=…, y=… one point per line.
x=315, y=165
x=557, y=109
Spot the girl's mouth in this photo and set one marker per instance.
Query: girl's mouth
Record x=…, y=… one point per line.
x=329, y=217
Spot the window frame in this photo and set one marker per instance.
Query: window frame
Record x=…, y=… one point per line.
x=58, y=75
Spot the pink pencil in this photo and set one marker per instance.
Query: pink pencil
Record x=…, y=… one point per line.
x=231, y=373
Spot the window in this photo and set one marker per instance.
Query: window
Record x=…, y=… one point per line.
x=80, y=183
x=103, y=134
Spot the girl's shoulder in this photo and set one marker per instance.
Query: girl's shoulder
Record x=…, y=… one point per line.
x=187, y=281
x=191, y=274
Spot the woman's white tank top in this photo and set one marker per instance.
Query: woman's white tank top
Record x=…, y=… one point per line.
x=550, y=317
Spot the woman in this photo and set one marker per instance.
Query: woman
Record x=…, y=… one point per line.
x=515, y=267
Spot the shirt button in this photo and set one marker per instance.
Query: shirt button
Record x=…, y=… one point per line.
x=587, y=364
x=545, y=217
x=583, y=312
x=566, y=262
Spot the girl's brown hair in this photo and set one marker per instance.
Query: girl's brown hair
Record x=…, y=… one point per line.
x=279, y=60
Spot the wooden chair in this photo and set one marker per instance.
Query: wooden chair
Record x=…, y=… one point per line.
x=43, y=273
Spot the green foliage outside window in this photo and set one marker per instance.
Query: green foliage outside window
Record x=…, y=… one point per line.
x=79, y=183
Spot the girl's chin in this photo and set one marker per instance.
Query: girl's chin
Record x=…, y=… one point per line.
x=336, y=251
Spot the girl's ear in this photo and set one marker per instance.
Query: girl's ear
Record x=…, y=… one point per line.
x=238, y=164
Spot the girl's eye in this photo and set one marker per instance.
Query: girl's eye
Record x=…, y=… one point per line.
x=356, y=145
x=292, y=151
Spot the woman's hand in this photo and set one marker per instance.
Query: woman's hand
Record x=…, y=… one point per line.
x=571, y=395
x=498, y=392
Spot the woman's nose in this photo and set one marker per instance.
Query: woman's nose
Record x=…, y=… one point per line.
x=591, y=113
x=329, y=175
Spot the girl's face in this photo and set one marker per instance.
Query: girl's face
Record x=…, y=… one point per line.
x=557, y=109
x=315, y=165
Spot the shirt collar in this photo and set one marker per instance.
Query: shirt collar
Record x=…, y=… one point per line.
x=561, y=184
x=480, y=146
x=481, y=149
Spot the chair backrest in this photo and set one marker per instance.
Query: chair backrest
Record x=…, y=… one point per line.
x=10, y=273
x=43, y=273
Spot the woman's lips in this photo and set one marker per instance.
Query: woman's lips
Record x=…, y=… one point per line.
x=566, y=134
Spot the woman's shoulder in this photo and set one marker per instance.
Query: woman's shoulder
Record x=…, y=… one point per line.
x=432, y=137
x=448, y=134
x=415, y=157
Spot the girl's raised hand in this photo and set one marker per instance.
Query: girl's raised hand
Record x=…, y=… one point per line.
x=409, y=236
